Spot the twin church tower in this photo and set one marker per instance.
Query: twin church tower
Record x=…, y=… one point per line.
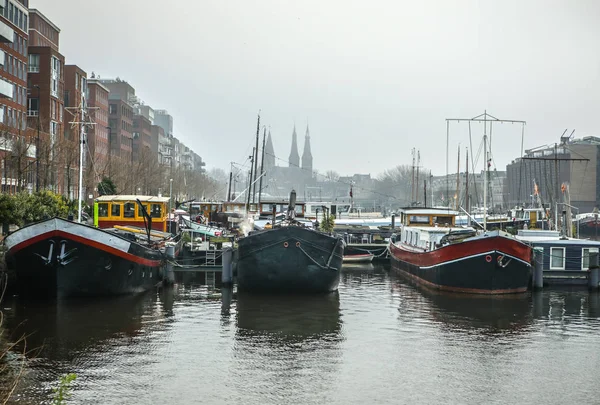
x=294, y=158
x=297, y=174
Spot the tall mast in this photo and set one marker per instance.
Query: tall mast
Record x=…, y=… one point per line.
x=81, y=122
x=262, y=166
x=456, y=203
x=417, y=183
x=467, y=184
x=412, y=184
x=484, y=118
x=485, y=171
x=255, y=158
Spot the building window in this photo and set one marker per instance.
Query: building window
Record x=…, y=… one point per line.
x=585, y=257
x=112, y=108
x=34, y=63
x=557, y=258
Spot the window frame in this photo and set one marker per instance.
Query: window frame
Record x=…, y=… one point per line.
x=590, y=250
x=564, y=251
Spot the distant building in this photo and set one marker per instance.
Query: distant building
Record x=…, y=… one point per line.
x=97, y=135
x=280, y=180
x=574, y=162
x=121, y=98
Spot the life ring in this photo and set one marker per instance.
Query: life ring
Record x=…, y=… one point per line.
x=285, y=244
x=297, y=244
x=488, y=258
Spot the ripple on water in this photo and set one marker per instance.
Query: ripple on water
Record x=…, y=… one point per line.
x=378, y=339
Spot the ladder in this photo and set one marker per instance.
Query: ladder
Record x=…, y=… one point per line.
x=211, y=257
x=210, y=278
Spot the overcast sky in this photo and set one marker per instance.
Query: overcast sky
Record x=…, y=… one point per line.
x=372, y=78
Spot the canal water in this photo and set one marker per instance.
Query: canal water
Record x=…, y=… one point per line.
x=378, y=340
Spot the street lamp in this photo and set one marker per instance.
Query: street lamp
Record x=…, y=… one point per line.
x=37, y=144
x=170, y=195
x=109, y=151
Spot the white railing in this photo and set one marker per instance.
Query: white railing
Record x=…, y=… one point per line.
x=33, y=113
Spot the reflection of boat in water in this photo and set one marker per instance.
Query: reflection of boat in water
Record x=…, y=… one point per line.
x=497, y=313
x=64, y=328
x=288, y=317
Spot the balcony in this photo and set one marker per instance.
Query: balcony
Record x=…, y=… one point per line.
x=33, y=113
x=6, y=89
x=7, y=34
x=33, y=69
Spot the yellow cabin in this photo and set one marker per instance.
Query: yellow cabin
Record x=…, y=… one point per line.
x=111, y=210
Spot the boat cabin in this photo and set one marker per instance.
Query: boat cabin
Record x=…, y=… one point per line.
x=425, y=229
x=123, y=210
x=434, y=217
x=208, y=208
x=560, y=253
x=281, y=206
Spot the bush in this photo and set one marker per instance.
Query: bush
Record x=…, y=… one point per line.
x=38, y=206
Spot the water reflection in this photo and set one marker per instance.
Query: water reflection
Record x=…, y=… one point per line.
x=61, y=327
x=487, y=314
x=285, y=344
x=289, y=318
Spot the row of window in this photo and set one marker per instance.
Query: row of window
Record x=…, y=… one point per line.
x=19, y=44
x=15, y=67
x=128, y=210
x=15, y=15
x=558, y=258
x=13, y=118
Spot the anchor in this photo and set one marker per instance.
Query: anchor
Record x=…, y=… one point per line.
x=48, y=260
x=65, y=258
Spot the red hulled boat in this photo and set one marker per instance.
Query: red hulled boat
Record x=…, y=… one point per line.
x=431, y=250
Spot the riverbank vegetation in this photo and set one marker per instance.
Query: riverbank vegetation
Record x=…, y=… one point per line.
x=24, y=208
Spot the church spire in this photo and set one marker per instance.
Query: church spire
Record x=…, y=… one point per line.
x=269, y=153
x=294, y=160
x=307, y=160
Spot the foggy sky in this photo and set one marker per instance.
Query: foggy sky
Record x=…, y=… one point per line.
x=372, y=79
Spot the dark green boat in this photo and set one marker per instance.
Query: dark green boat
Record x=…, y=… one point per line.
x=289, y=258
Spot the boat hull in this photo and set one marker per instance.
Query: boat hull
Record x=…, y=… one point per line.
x=483, y=265
x=289, y=259
x=60, y=258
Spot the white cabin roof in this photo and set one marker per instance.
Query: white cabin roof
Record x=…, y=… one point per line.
x=428, y=211
x=142, y=198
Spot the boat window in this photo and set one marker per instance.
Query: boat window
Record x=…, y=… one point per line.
x=585, y=257
x=128, y=210
x=140, y=212
x=444, y=221
x=102, y=210
x=298, y=209
x=156, y=211
x=419, y=219
x=557, y=258
x=115, y=210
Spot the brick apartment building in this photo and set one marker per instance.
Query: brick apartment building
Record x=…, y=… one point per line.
x=97, y=137
x=46, y=95
x=16, y=148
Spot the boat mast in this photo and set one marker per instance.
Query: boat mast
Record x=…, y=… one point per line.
x=485, y=171
x=81, y=122
x=480, y=118
x=467, y=183
x=456, y=203
x=262, y=166
x=255, y=158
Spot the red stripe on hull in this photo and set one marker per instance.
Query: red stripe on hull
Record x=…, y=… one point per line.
x=85, y=241
x=460, y=250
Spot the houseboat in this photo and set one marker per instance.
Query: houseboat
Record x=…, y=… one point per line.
x=431, y=250
x=564, y=260
x=289, y=257
x=61, y=258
